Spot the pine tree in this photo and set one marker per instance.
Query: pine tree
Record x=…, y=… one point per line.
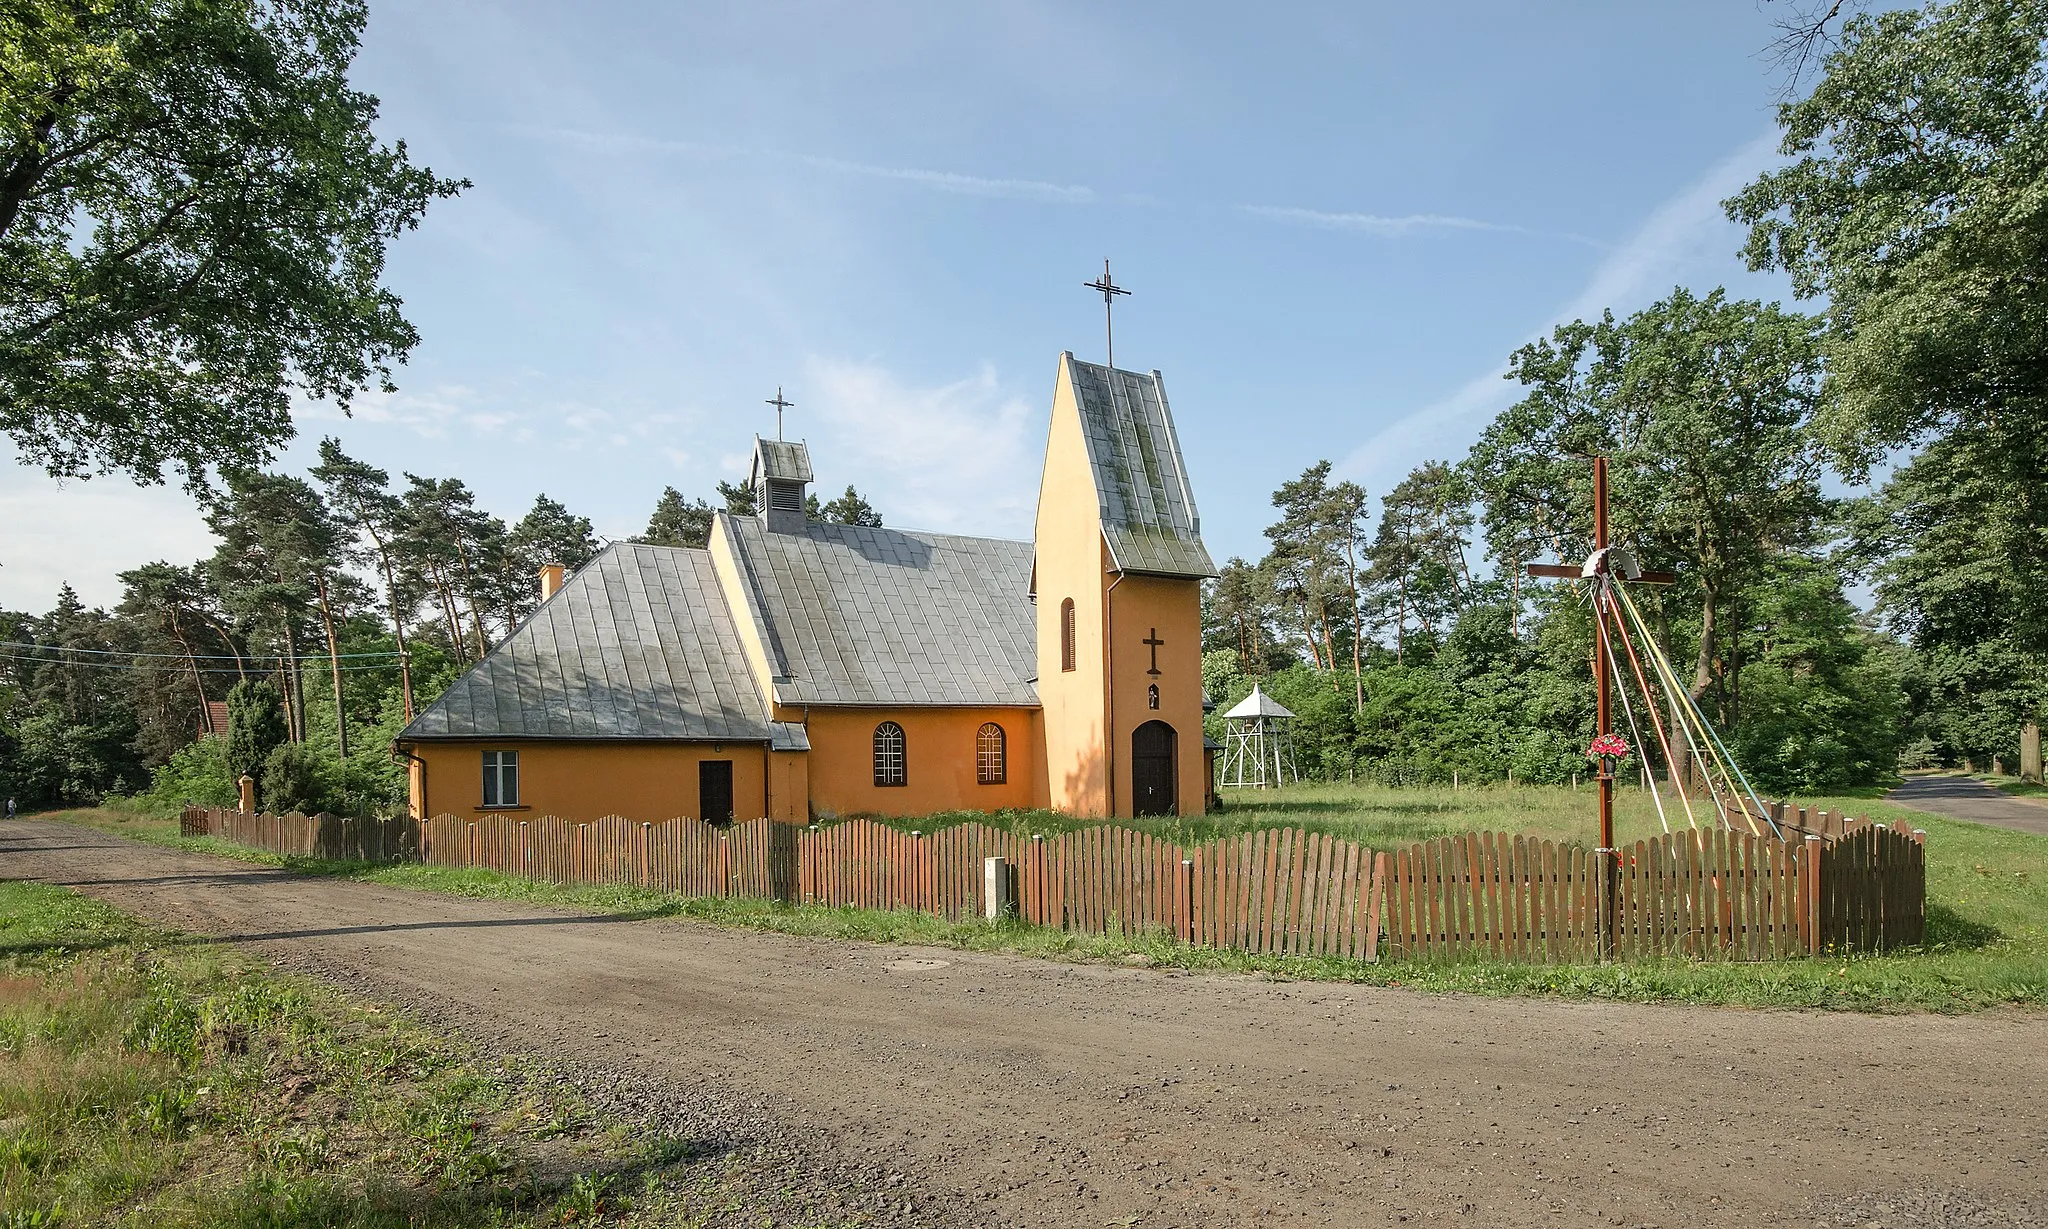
x=851, y=509
x=678, y=522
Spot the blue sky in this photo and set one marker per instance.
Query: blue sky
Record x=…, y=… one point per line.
x=1338, y=221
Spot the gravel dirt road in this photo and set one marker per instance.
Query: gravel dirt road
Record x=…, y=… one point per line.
x=993, y=1090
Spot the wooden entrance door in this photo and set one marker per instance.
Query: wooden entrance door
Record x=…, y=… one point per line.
x=714, y=791
x=1152, y=775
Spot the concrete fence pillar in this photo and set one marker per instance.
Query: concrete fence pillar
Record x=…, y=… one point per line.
x=995, y=887
x=246, y=785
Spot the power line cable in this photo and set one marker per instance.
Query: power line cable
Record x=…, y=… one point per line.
x=115, y=665
x=55, y=648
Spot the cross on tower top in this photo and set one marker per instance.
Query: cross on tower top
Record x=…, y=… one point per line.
x=780, y=405
x=1110, y=290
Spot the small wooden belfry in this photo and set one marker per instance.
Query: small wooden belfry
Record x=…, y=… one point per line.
x=1257, y=752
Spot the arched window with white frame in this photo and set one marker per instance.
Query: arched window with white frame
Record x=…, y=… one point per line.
x=991, y=766
x=891, y=767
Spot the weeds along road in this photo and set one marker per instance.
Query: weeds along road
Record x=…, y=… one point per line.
x=1010, y=1091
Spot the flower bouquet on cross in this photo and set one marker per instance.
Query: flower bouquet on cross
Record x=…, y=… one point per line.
x=1613, y=745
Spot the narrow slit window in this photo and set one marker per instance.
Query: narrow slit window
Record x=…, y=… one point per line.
x=1067, y=634
x=501, y=778
x=889, y=757
x=989, y=766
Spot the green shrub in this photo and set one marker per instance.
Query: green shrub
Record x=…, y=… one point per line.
x=296, y=777
x=197, y=773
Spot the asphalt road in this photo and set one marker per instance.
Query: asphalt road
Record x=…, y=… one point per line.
x=1964, y=798
x=1010, y=1091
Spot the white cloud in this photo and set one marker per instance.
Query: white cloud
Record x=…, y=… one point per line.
x=1396, y=226
x=941, y=181
x=956, y=457
x=84, y=533
x=1686, y=232
x=429, y=413
x=965, y=185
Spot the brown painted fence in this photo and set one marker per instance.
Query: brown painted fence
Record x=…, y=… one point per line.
x=1722, y=894
x=1710, y=892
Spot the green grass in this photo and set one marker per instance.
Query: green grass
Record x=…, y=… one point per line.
x=2015, y=786
x=1384, y=816
x=147, y=1080
x=1987, y=906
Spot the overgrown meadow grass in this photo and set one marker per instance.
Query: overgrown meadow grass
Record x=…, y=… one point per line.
x=1987, y=940
x=148, y=1080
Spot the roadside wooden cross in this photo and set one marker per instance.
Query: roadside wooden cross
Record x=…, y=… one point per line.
x=1603, y=564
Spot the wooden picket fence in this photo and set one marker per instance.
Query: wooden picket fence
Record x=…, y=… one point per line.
x=296, y=834
x=1710, y=892
x=1721, y=894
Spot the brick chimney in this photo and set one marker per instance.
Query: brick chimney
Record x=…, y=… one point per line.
x=550, y=580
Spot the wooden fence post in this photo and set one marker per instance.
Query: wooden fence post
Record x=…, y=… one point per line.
x=1604, y=899
x=1809, y=891
x=1184, y=901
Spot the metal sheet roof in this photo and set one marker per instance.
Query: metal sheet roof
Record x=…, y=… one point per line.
x=637, y=644
x=1147, y=506
x=783, y=460
x=854, y=615
x=1259, y=704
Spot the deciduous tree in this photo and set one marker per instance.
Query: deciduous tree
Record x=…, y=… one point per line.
x=194, y=209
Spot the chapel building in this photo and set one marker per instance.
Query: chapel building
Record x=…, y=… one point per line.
x=798, y=670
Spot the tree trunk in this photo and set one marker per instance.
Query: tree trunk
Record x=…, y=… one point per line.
x=1703, y=665
x=1401, y=623
x=192, y=660
x=448, y=615
x=476, y=619
x=333, y=666
x=1733, y=714
x=398, y=631
x=241, y=672
x=1357, y=631
x=294, y=687
x=1308, y=629
x=1329, y=648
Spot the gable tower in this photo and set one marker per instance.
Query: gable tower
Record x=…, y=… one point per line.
x=1117, y=572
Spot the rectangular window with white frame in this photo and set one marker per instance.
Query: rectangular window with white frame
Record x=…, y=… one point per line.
x=501, y=778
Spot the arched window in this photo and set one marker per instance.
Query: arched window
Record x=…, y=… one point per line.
x=1067, y=634
x=889, y=766
x=989, y=766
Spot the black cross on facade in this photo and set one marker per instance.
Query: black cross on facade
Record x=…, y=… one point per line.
x=780, y=405
x=1155, y=642
x=1110, y=290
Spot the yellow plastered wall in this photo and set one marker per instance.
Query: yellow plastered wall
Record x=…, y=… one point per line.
x=789, y=791
x=739, y=600
x=646, y=781
x=1171, y=607
x=939, y=756
x=1069, y=564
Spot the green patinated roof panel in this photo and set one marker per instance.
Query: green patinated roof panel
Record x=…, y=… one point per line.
x=1146, y=502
